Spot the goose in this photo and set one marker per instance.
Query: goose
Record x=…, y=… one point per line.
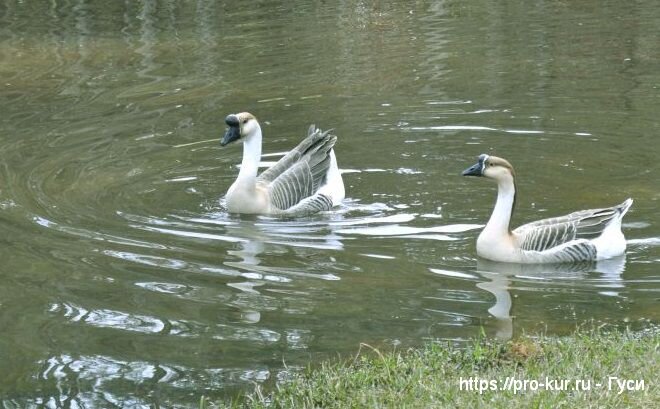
x=304, y=181
x=584, y=235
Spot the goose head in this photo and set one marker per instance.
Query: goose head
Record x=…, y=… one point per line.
x=241, y=127
x=491, y=167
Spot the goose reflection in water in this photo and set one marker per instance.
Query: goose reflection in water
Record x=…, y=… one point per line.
x=501, y=275
x=264, y=237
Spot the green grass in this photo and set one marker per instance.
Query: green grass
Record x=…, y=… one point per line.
x=429, y=377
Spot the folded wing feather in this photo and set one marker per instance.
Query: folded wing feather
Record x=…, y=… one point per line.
x=300, y=173
x=585, y=224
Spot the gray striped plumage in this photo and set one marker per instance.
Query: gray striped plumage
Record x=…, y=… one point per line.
x=294, y=180
x=573, y=252
x=579, y=227
x=317, y=203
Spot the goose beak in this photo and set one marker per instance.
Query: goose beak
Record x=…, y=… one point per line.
x=474, y=170
x=232, y=134
x=234, y=131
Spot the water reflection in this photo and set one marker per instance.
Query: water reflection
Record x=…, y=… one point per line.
x=395, y=230
x=105, y=373
x=505, y=277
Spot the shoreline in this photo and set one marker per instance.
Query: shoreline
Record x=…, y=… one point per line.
x=590, y=368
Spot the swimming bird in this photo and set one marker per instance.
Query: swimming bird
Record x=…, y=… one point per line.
x=580, y=236
x=304, y=181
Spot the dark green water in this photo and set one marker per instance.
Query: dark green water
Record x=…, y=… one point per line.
x=124, y=283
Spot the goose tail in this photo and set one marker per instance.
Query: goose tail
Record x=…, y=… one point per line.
x=334, y=185
x=624, y=207
x=612, y=243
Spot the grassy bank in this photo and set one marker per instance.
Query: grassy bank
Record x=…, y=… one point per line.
x=493, y=374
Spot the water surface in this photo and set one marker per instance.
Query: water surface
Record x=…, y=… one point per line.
x=126, y=284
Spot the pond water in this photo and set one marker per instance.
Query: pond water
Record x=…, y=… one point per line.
x=126, y=284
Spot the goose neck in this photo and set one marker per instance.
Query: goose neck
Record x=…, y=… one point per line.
x=251, y=157
x=500, y=219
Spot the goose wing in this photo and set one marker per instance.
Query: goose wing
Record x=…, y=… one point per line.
x=584, y=224
x=313, y=204
x=300, y=173
x=314, y=135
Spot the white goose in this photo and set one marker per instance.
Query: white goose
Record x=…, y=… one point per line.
x=305, y=181
x=580, y=236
